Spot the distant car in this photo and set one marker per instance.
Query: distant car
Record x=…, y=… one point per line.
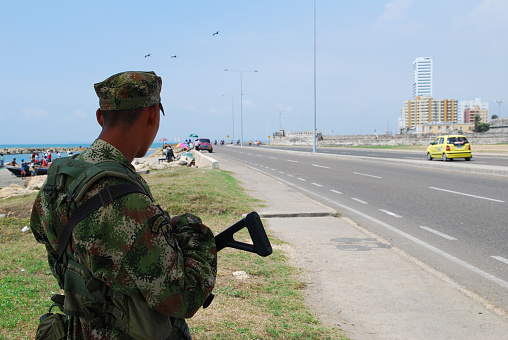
x=204, y=144
x=450, y=147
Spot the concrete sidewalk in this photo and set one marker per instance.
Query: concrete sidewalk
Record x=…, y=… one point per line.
x=361, y=283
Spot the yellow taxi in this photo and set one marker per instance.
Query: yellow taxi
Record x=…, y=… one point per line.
x=449, y=147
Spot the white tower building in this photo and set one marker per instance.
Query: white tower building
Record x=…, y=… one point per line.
x=422, y=77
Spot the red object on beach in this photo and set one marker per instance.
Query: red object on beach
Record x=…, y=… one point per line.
x=163, y=139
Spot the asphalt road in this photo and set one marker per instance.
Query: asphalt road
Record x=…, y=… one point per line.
x=453, y=221
x=416, y=155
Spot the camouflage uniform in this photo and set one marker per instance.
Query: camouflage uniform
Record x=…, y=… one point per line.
x=172, y=268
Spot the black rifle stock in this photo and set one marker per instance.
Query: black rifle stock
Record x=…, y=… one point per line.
x=260, y=242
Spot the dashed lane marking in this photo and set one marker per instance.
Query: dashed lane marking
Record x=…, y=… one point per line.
x=500, y=258
x=390, y=213
x=448, y=237
x=318, y=185
x=321, y=166
x=461, y=193
x=359, y=173
x=359, y=200
x=337, y=192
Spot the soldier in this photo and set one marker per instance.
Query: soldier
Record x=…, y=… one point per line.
x=127, y=270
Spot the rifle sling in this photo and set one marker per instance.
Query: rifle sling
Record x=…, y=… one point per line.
x=104, y=197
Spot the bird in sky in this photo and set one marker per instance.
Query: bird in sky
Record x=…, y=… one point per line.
x=147, y=55
x=215, y=33
x=173, y=56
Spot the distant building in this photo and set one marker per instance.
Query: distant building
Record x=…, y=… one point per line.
x=475, y=105
x=470, y=114
x=426, y=110
x=422, y=77
x=445, y=128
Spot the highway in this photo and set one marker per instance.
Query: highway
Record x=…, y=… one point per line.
x=452, y=221
x=416, y=155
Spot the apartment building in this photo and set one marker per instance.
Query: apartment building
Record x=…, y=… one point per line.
x=425, y=110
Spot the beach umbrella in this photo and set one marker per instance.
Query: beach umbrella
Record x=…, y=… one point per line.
x=182, y=145
x=193, y=135
x=163, y=139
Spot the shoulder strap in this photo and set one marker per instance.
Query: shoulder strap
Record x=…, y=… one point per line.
x=103, y=198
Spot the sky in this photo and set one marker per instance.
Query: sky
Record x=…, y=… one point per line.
x=52, y=52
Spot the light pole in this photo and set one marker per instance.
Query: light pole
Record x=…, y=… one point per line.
x=314, y=132
x=241, y=101
x=499, y=102
x=280, y=114
x=233, y=113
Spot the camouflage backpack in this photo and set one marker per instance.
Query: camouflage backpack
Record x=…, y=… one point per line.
x=86, y=296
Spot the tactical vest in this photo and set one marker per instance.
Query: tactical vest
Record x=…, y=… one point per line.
x=86, y=296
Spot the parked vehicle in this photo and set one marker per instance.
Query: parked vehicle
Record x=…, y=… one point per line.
x=450, y=147
x=204, y=144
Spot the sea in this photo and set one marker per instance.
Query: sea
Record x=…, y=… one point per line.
x=28, y=157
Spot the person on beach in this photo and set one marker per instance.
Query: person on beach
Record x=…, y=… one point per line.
x=145, y=272
x=1, y=160
x=13, y=162
x=24, y=168
x=33, y=157
x=44, y=161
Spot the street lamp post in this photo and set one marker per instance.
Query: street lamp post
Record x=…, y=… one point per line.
x=314, y=132
x=280, y=114
x=241, y=101
x=233, y=113
x=499, y=102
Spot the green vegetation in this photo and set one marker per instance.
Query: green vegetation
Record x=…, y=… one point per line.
x=269, y=304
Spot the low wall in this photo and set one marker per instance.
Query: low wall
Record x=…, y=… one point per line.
x=291, y=138
x=203, y=161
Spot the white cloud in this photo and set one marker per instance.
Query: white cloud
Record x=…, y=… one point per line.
x=77, y=115
x=488, y=16
x=393, y=11
x=34, y=113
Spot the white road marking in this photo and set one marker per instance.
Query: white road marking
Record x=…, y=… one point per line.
x=290, y=175
x=359, y=200
x=259, y=155
x=461, y=193
x=439, y=233
x=289, y=160
x=358, y=173
x=249, y=154
x=318, y=185
x=500, y=258
x=424, y=244
x=273, y=157
x=337, y=192
x=390, y=213
x=321, y=166
x=302, y=179
x=274, y=169
x=281, y=172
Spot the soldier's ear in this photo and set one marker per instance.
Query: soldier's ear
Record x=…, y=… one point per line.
x=100, y=118
x=153, y=115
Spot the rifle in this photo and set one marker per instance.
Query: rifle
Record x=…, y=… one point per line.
x=260, y=242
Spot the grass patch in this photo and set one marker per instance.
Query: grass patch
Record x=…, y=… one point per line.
x=269, y=304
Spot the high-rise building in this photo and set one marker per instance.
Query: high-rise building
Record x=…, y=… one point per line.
x=422, y=77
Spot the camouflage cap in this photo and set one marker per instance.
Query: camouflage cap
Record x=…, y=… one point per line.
x=129, y=90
